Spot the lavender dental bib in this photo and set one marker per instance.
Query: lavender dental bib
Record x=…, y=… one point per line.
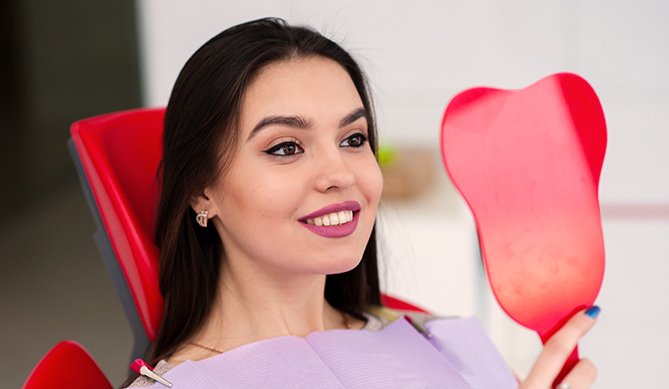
x=458, y=355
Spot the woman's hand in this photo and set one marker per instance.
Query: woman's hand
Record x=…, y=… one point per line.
x=557, y=350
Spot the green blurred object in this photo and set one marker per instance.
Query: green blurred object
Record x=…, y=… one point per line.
x=386, y=155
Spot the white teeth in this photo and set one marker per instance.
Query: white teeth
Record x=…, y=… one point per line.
x=343, y=217
x=332, y=219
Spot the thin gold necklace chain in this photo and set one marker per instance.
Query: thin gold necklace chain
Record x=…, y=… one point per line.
x=346, y=321
x=208, y=348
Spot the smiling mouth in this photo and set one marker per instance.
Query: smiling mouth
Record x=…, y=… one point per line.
x=332, y=219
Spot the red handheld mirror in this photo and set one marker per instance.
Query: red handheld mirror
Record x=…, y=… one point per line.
x=527, y=162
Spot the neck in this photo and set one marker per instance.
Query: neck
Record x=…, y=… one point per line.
x=256, y=304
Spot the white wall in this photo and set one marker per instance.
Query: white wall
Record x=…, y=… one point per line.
x=418, y=57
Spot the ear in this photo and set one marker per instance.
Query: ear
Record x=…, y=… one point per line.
x=204, y=202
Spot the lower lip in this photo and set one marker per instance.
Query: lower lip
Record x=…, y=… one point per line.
x=339, y=231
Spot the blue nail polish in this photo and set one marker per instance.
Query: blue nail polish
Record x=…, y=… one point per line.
x=593, y=311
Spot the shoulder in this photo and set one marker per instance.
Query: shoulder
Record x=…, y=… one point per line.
x=161, y=368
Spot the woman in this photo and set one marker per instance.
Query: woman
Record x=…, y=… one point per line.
x=269, y=194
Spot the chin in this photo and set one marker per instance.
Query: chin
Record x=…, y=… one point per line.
x=343, y=265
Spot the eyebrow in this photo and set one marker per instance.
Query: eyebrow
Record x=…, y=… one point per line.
x=302, y=123
x=353, y=116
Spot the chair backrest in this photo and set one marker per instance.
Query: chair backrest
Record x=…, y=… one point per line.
x=67, y=365
x=118, y=156
x=396, y=303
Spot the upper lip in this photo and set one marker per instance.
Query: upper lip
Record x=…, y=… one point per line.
x=345, y=206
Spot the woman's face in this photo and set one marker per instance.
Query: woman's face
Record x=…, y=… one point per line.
x=302, y=191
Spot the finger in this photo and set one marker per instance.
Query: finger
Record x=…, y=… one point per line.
x=560, y=345
x=582, y=375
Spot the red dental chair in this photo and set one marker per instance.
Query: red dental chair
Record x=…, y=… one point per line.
x=117, y=157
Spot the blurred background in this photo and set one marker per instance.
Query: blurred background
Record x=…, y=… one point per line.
x=66, y=60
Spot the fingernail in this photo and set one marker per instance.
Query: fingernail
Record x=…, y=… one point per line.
x=593, y=311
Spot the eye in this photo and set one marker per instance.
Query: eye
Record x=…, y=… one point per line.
x=355, y=140
x=285, y=149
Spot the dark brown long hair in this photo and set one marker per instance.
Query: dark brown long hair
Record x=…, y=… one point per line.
x=201, y=130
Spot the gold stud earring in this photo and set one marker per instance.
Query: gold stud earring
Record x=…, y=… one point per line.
x=201, y=218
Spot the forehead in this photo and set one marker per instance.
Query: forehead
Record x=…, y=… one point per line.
x=314, y=87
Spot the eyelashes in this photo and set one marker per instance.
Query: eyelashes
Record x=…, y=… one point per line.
x=285, y=149
x=356, y=140
x=291, y=148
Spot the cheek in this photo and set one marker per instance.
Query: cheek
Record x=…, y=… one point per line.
x=262, y=194
x=370, y=181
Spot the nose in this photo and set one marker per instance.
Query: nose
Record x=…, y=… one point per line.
x=334, y=172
